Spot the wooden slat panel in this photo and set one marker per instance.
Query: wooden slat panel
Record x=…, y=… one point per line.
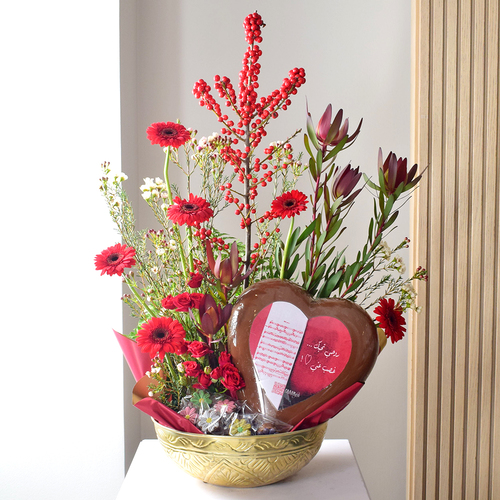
x=449, y=200
x=489, y=251
x=417, y=406
x=454, y=373
x=476, y=181
x=490, y=411
x=462, y=236
x=435, y=215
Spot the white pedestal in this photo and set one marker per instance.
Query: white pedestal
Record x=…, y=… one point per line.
x=332, y=474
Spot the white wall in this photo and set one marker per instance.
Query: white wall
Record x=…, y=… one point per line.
x=357, y=56
x=61, y=425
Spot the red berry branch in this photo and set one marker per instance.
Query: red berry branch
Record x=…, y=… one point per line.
x=248, y=128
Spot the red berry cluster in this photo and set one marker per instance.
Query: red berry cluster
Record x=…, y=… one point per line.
x=247, y=107
x=252, y=116
x=206, y=234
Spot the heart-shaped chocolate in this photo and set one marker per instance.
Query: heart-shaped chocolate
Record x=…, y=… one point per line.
x=296, y=353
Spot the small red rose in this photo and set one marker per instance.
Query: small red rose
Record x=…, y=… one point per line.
x=168, y=302
x=232, y=378
x=224, y=358
x=195, y=281
x=198, y=349
x=204, y=381
x=191, y=368
x=185, y=301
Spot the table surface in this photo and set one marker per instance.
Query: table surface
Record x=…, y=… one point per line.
x=332, y=474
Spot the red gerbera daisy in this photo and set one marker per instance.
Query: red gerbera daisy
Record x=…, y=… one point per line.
x=168, y=134
x=161, y=335
x=390, y=317
x=289, y=204
x=115, y=259
x=191, y=212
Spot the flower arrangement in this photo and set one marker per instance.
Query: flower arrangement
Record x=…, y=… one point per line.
x=185, y=276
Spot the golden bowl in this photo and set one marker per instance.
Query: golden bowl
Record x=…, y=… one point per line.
x=241, y=462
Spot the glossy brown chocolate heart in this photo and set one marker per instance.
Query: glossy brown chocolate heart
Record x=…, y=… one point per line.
x=319, y=348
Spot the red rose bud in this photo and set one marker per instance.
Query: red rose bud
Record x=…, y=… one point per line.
x=168, y=302
x=185, y=301
x=204, y=381
x=232, y=378
x=191, y=368
x=198, y=349
x=195, y=281
x=224, y=358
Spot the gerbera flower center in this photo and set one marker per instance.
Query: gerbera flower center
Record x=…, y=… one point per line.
x=190, y=207
x=113, y=258
x=289, y=203
x=168, y=132
x=159, y=334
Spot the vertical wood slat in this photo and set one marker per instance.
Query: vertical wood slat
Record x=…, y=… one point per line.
x=462, y=259
x=492, y=246
x=454, y=372
x=417, y=409
x=447, y=381
x=493, y=97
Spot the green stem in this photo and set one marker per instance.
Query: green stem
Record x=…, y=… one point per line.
x=176, y=228
x=171, y=368
x=190, y=249
x=287, y=249
x=140, y=299
x=165, y=175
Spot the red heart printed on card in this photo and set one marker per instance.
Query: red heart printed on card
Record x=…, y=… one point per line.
x=297, y=353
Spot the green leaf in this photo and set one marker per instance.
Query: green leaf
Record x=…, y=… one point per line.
x=278, y=255
x=389, y=223
x=293, y=241
x=291, y=269
x=306, y=144
x=347, y=274
x=369, y=182
x=312, y=134
x=355, y=286
x=312, y=168
x=334, y=229
x=307, y=231
x=399, y=190
x=342, y=259
x=381, y=181
x=320, y=242
x=319, y=162
x=308, y=253
x=336, y=150
x=388, y=206
x=334, y=264
x=317, y=228
x=319, y=272
x=366, y=268
x=330, y=284
x=370, y=232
